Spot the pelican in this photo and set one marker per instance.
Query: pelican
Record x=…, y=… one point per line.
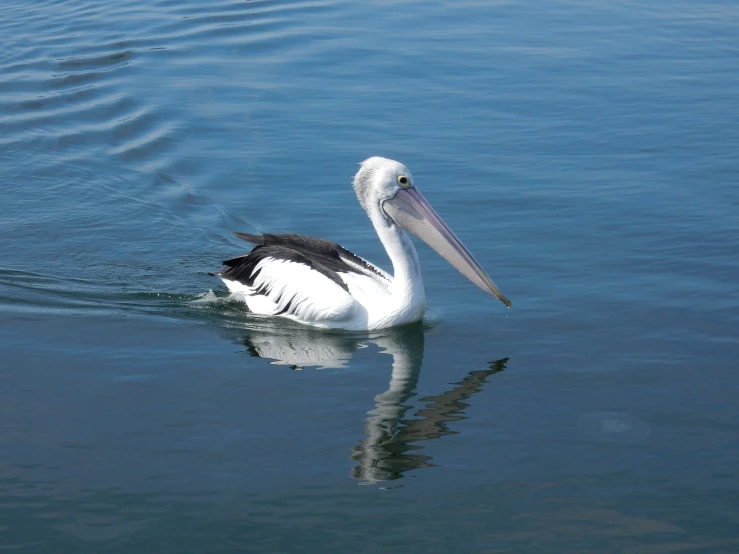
x=319, y=283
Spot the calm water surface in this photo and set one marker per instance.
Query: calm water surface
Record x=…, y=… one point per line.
x=586, y=152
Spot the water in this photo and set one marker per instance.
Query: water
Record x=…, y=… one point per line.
x=586, y=152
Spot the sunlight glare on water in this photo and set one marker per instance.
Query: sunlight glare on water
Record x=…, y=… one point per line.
x=613, y=427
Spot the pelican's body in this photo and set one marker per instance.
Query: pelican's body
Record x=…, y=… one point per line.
x=319, y=283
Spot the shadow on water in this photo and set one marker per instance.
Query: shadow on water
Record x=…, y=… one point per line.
x=394, y=428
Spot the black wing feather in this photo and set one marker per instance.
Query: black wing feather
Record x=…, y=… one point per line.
x=321, y=255
x=244, y=268
x=326, y=252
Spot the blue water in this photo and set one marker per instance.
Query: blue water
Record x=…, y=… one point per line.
x=585, y=152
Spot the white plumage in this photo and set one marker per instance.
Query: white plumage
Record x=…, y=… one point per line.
x=319, y=283
x=313, y=297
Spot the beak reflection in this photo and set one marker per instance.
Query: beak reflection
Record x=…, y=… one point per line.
x=397, y=425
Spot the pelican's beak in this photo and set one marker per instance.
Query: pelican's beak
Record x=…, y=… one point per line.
x=410, y=210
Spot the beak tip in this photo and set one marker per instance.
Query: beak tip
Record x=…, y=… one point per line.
x=504, y=300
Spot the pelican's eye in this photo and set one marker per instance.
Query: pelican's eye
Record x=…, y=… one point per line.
x=403, y=181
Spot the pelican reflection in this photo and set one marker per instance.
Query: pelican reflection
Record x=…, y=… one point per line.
x=395, y=427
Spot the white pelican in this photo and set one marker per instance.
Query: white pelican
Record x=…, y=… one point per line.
x=319, y=283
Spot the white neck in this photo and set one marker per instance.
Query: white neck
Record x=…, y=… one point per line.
x=407, y=286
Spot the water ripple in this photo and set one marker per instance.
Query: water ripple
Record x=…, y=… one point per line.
x=71, y=90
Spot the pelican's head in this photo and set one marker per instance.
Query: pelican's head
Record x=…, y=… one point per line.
x=380, y=179
x=387, y=187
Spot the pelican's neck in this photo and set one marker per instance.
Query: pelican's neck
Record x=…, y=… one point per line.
x=407, y=282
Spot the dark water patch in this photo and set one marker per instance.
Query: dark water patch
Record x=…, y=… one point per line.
x=105, y=61
x=61, y=82
x=203, y=35
x=141, y=135
x=15, y=70
x=55, y=111
x=252, y=7
x=231, y=23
